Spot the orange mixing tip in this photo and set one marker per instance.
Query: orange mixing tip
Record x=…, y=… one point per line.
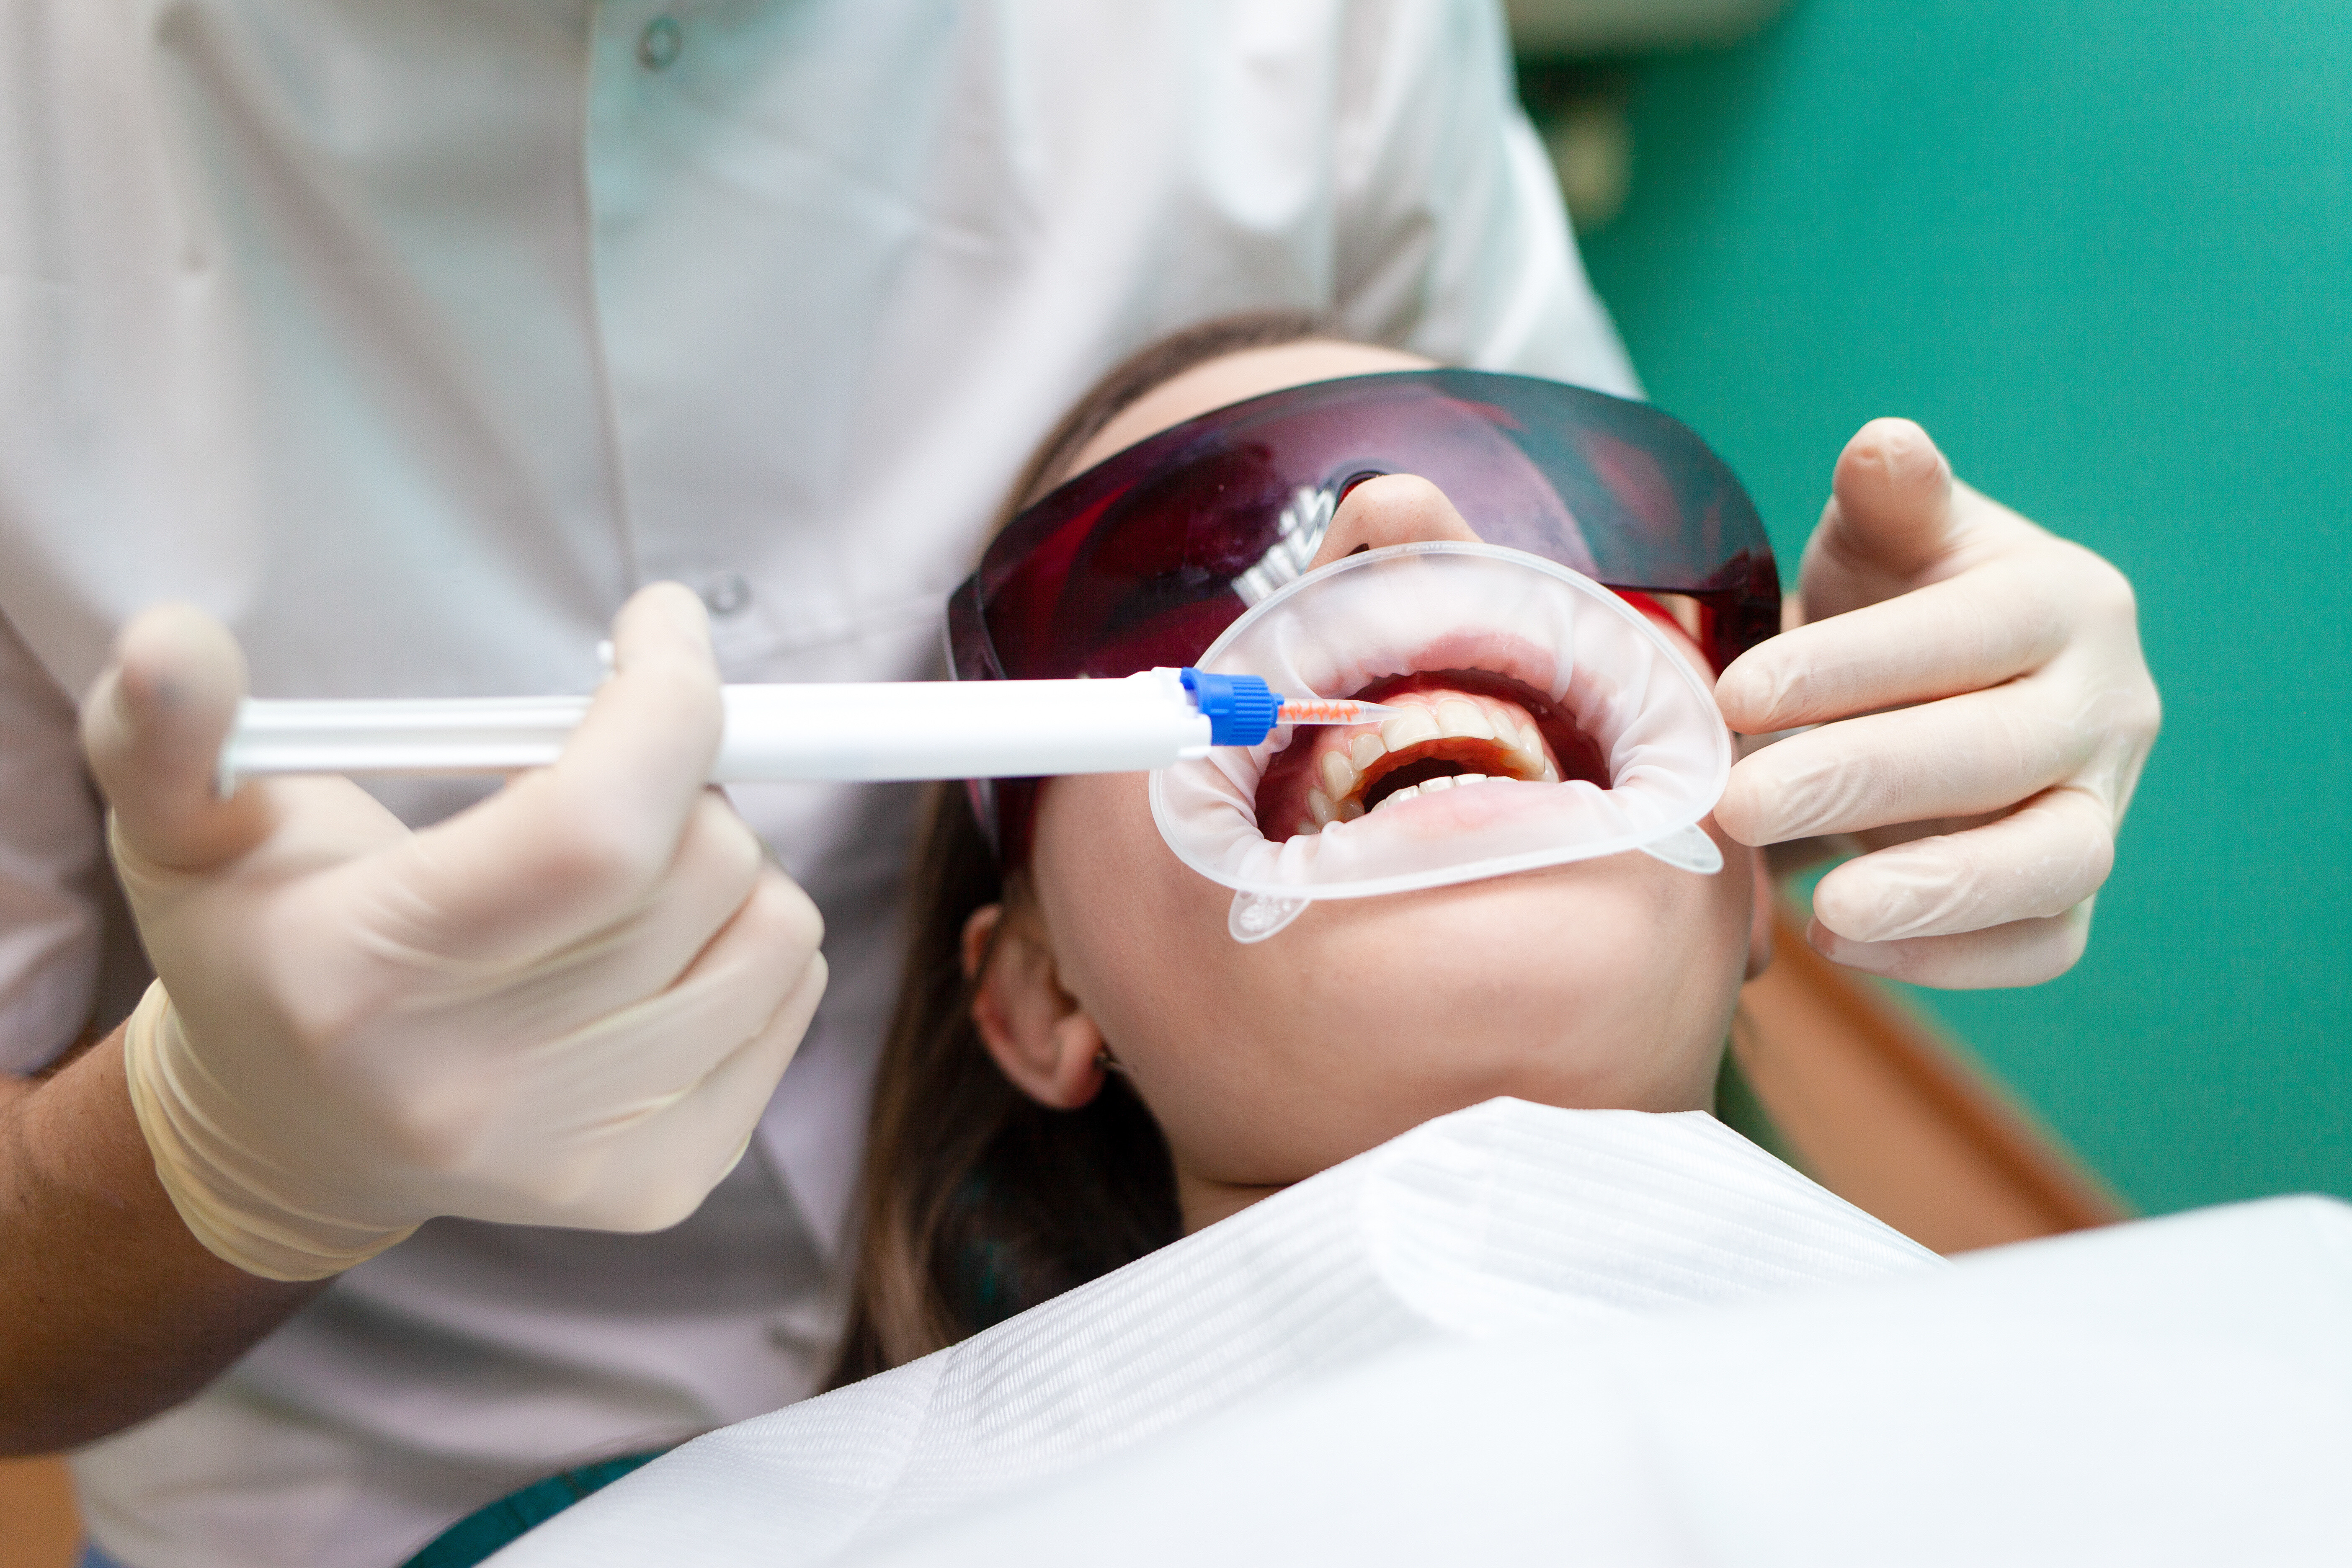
x=1333, y=711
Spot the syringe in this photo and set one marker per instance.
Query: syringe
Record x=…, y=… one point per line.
x=868, y=731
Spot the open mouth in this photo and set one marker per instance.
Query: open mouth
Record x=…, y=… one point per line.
x=1543, y=719
x=1461, y=727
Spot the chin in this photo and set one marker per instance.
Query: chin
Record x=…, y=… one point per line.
x=1324, y=1117
x=1550, y=941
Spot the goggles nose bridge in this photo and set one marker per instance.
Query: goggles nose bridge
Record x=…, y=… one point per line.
x=1299, y=530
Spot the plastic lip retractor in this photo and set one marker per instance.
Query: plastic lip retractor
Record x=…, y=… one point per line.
x=1456, y=606
x=863, y=732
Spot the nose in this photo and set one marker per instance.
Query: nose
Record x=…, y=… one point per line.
x=1395, y=509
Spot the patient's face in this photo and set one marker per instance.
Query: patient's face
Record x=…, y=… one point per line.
x=1606, y=983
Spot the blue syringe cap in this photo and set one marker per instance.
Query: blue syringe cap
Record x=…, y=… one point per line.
x=1240, y=709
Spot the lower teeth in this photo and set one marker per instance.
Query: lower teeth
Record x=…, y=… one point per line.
x=1443, y=781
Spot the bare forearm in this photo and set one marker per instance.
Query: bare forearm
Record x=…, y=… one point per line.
x=109, y=1310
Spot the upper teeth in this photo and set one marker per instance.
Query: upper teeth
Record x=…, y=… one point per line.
x=1336, y=793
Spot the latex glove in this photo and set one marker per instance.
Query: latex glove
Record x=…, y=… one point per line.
x=567, y=1005
x=2021, y=711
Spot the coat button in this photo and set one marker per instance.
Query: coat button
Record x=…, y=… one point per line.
x=727, y=594
x=658, y=44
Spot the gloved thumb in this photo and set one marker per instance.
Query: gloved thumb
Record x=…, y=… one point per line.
x=152, y=727
x=1890, y=525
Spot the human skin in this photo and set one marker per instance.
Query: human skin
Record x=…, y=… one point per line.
x=125, y=1312
x=1606, y=983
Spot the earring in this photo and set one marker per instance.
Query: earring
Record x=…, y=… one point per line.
x=1109, y=1063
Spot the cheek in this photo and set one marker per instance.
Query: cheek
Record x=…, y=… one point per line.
x=1217, y=1036
x=1139, y=939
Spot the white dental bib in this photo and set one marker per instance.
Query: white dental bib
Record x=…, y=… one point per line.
x=1523, y=1335
x=1506, y=1219
x=1449, y=605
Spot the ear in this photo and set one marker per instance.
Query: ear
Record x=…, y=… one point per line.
x=1039, y=1035
x=1759, y=918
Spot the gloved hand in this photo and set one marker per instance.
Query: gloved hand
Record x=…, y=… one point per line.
x=566, y=1005
x=1984, y=709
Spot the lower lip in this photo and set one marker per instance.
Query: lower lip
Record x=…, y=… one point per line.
x=1450, y=811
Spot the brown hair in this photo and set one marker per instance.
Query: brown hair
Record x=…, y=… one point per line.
x=976, y=1202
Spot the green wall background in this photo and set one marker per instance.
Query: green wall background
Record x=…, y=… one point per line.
x=2103, y=253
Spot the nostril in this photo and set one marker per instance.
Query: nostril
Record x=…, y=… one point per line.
x=1400, y=509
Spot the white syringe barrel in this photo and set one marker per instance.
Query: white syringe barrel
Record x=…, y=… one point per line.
x=869, y=731
x=959, y=729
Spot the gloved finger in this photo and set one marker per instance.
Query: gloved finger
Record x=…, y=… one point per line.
x=1889, y=523
x=2040, y=860
x=726, y=995
x=1985, y=626
x=562, y=851
x=727, y=1030
x=640, y=758
x=598, y=1089
x=720, y=871
x=1982, y=751
x=2022, y=952
x=152, y=727
x=422, y=926
x=710, y=1130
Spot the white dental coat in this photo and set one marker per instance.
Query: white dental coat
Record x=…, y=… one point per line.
x=409, y=336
